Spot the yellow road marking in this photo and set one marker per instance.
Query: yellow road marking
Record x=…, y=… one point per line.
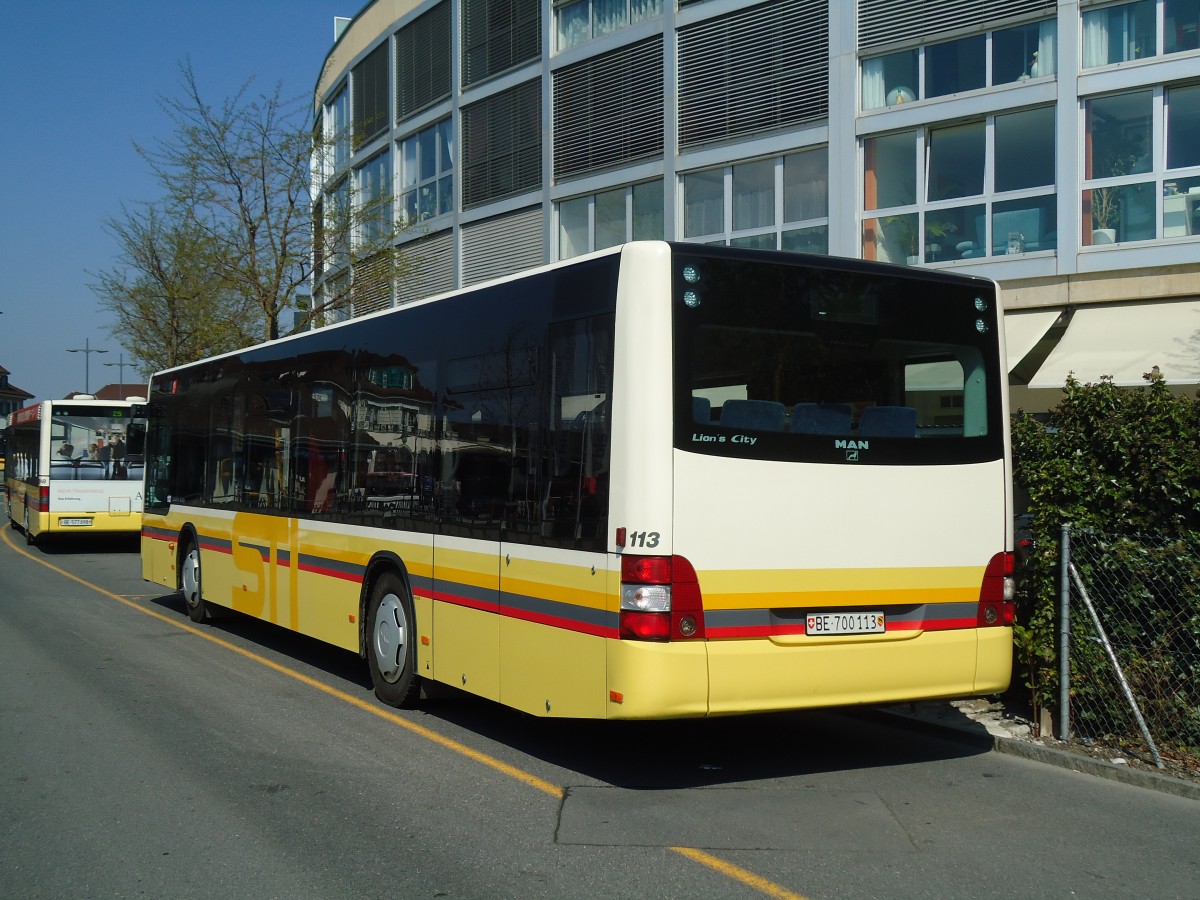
x=737, y=873
x=727, y=869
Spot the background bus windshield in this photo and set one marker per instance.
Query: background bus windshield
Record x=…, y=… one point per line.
x=95, y=444
x=780, y=360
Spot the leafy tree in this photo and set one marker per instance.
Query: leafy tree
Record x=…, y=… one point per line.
x=1119, y=460
x=166, y=300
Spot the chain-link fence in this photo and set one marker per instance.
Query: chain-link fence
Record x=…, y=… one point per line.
x=1134, y=632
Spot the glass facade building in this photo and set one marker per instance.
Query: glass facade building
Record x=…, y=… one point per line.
x=1052, y=146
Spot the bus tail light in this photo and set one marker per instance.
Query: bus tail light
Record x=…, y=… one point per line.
x=660, y=599
x=996, y=593
x=44, y=498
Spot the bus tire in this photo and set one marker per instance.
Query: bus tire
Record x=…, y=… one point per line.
x=189, y=581
x=391, y=651
x=29, y=540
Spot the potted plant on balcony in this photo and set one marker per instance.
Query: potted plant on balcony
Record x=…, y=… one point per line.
x=1106, y=214
x=1118, y=155
x=901, y=236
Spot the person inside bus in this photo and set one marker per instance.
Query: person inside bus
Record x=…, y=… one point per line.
x=66, y=451
x=118, y=456
x=104, y=454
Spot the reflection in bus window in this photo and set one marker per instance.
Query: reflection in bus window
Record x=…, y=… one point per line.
x=821, y=353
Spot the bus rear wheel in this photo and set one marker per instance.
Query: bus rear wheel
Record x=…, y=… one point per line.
x=189, y=583
x=391, y=653
x=25, y=528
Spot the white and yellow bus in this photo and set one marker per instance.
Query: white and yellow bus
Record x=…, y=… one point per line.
x=662, y=480
x=74, y=467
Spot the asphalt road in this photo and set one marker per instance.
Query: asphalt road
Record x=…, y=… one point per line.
x=146, y=756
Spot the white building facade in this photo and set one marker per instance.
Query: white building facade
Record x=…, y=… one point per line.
x=1051, y=146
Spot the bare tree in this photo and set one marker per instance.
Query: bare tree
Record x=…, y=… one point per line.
x=237, y=225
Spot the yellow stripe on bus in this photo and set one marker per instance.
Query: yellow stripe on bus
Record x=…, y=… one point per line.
x=847, y=579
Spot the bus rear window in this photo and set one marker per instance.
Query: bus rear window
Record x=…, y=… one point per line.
x=780, y=359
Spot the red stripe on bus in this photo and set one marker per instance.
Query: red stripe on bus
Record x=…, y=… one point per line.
x=457, y=600
x=932, y=625
x=559, y=622
x=767, y=631
x=355, y=577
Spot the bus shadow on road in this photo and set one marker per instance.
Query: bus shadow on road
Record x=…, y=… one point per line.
x=258, y=636
x=694, y=753
x=71, y=545
x=652, y=755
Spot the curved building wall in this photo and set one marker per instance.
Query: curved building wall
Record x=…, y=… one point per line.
x=965, y=134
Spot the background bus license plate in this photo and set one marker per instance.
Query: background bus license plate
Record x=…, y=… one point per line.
x=67, y=522
x=845, y=623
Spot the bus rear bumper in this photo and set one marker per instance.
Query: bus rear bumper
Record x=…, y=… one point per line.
x=676, y=680
x=759, y=675
x=94, y=522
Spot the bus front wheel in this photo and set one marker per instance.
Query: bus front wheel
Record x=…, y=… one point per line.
x=189, y=583
x=391, y=653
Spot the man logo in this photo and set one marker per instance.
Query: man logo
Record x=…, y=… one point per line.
x=852, y=448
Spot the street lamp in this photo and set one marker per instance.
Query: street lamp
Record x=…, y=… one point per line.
x=120, y=363
x=87, y=350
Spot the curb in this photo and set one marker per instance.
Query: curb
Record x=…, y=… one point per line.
x=984, y=740
x=1165, y=784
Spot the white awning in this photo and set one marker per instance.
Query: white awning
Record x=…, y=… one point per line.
x=1124, y=340
x=1023, y=329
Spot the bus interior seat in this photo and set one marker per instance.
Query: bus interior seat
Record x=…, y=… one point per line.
x=888, y=421
x=91, y=471
x=759, y=415
x=701, y=410
x=821, y=418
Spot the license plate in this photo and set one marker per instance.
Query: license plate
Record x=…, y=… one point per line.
x=845, y=623
x=68, y=522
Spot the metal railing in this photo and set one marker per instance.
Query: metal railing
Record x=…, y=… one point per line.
x=1129, y=643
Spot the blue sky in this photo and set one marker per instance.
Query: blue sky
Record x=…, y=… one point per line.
x=81, y=81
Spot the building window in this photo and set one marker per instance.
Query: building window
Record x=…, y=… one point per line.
x=932, y=195
x=337, y=228
x=423, y=61
x=1024, y=52
x=951, y=67
x=1124, y=180
x=375, y=200
x=427, y=173
x=955, y=66
x=337, y=128
x=369, y=83
x=1129, y=31
x=596, y=221
x=502, y=145
x=1119, y=33
x=773, y=204
x=498, y=35
x=1181, y=25
x=579, y=21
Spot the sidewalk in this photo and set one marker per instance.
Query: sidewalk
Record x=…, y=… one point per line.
x=981, y=721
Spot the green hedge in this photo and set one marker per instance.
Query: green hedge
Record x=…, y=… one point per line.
x=1116, y=461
